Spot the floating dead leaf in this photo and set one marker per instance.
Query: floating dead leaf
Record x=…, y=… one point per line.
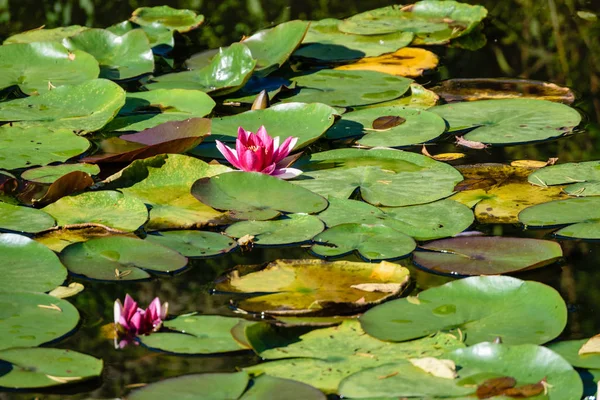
x=64, y=379
x=52, y=306
x=533, y=163
x=592, y=346
x=62, y=292
x=526, y=390
x=436, y=367
x=378, y=287
x=246, y=242
x=121, y=274
x=57, y=238
x=442, y=156
x=408, y=61
x=387, y=122
x=41, y=194
x=384, y=270
x=461, y=141
x=495, y=387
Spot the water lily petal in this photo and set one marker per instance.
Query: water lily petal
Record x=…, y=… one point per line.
x=250, y=161
x=229, y=154
x=118, y=310
x=286, y=173
x=285, y=148
x=243, y=135
x=269, y=169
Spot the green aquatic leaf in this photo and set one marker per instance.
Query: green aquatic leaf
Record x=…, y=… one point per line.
x=580, y=179
x=45, y=35
x=293, y=228
x=483, y=308
x=569, y=350
x=51, y=173
x=269, y=387
x=194, y=243
x=24, y=219
x=418, y=97
x=167, y=17
x=160, y=38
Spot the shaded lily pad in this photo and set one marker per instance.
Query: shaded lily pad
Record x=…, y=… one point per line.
x=418, y=97
x=31, y=319
x=40, y=194
x=120, y=56
x=59, y=238
x=32, y=66
x=265, y=386
x=167, y=17
x=568, y=349
x=408, y=61
x=200, y=334
x=419, y=127
x=509, y=121
x=486, y=255
x=372, y=242
x=252, y=194
x=316, y=287
x=51, y=173
x=195, y=243
x=46, y=35
x=293, y=228
x=580, y=179
x=348, y=88
x=228, y=71
x=28, y=265
x=84, y=108
x=272, y=47
x=483, y=308
x=383, y=176
x=40, y=367
x=24, y=219
x=120, y=258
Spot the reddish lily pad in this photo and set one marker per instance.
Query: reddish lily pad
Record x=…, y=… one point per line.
x=41, y=194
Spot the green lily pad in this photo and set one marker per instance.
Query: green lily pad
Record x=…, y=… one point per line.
x=120, y=56
x=28, y=265
x=323, y=357
x=32, y=319
x=483, y=308
x=120, y=258
x=215, y=386
x=509, y=121
x=107, y=207
x=569, y=349
x=145, y=110
x=167, y=17
x=348, y=88
x=316, y=287
x=200, y=334
x=324, y=42
x=293, y=228
x=418, y=97
x=255, y=194
x=580, y=179
x=372, y=242
x=57, y=239
x=45, y=35
x=24, y=219
x=160, y=38
x=51, y=173
x=418, y=127
x=194, y=243
x=269, y=387
x=84, y=108
x=32, y=66
x=527, y=363
x=492, y=255
x=383, y=176
x=227, y=72
x=272, y=47
x=40, y=367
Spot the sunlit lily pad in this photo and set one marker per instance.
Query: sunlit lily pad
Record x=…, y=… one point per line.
x=371, y=242
x=200, y=334
x=509, y=121
x=120, y=258
x=84, y=108
x=383, y=176
x=107, y=207
x=160, y=38
x=24, y=219
x=569, y=349
x=228, y=71
x=483, y=308
x=348, y=88
x=120, y=56
x=32, y=66
x=491, y=255
x=51, y=173
x=249, y=194
x=315, y=286
x=418, y=127
x=57, y=239
x=194, y=243
x=408, y=61
x=167, y=17
x=40, y=367
x=45, y=35
x=580, y=179
x=31, y=319
x=418, y=97
x=272, y=47
x=265, y=386
x=323, y=357
x=293, y=228
x=28, y=265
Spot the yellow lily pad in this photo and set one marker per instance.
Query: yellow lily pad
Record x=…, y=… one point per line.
x=408, y=61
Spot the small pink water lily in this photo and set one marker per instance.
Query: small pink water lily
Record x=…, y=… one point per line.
x=259, y=152
x=132, y=321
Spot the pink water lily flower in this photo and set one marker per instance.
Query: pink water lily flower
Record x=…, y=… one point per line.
x=132, y=321
x=259, y=152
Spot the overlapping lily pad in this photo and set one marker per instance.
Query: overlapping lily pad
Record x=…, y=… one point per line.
x=509, y=121
x=120, y=258
x=316, y=287
x=34, y=66
x=24, y=219
x=483, y=308
x=293, y=228
x=45, y=35
x=31, y=319
x=51, y=173
x=569, y=349
x=486, y=255
x=57, y=239
x=418, y=97
x=408, y=61
x=83, y=108
x=265, y=386
x=40, y=367
x=167, y=17
x=195, y=243
x=580, y=179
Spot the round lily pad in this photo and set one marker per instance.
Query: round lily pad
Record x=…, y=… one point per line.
x=194, y=243
x=509, y=121
x=372, y=242
x=492, y=255
x=116, y=258
x=167, y=17
x=269, y=387
x=316, y=287
x=51, y=173
x=41, y=367
x=24, y=219
x=29, y=266
x=569, y=349
x=483, y=308
x=31, y=319
x=293, y=228
x=580, y=179
x=45, y=35
x=107, y=207
x=418, y=97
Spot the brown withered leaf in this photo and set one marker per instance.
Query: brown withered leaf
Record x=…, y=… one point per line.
x=522, y=392
x=388, y=122
x=461, y=141
x=495, y=387
x=41, y=194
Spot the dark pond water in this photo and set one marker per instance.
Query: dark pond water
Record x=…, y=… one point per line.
x=526, y=38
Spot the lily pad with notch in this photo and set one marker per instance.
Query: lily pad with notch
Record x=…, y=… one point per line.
x=289, y=229
x=51, y=173
x=45, y=35
x=579, y=179
x=194, y=243
x=24, y=219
